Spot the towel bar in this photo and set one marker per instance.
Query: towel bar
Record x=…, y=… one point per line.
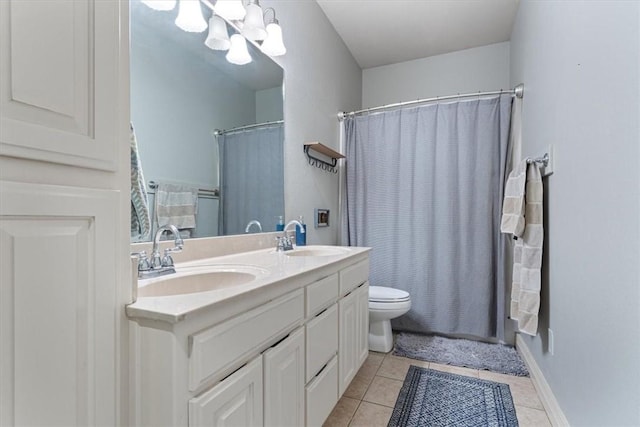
x=544, y=160
x=206, y=193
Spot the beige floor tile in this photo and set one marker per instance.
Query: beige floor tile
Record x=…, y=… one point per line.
x=459, y=370
x=358, y=387
x=396, y=367
x=375, y=358
x=368, y=369
x=371, y=415
x=529, y=417
x=383, y=391
x=522, y=389
x=342, y=413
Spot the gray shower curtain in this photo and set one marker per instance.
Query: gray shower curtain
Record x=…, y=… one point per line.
x=424, y=190
x=251, y=178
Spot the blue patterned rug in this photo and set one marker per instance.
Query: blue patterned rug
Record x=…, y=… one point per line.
x=437, y=399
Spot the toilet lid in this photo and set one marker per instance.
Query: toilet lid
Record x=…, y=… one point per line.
x=384, y=294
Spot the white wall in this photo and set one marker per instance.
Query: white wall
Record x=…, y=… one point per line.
x=580, y=65
x=483, y=68
x=321, y=78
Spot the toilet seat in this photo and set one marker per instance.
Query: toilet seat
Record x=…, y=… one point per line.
x=381, y=294
x=389, y=305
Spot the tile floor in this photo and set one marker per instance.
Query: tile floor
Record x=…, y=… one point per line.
x=370, y=398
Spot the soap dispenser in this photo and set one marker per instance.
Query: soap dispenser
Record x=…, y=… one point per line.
x=280, y=224
x=301, y=238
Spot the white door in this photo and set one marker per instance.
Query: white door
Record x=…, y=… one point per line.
x=236, y=401
x=63, y=193
x=348, y=339
x=284, y=382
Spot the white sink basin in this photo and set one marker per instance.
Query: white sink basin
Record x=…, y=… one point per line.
x=318, y=251
x=199, y=279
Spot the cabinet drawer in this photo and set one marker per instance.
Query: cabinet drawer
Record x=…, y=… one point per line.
x=322, y=340
x=353, y=276
x=322, y=394
x=321, y=293
x=217, y=349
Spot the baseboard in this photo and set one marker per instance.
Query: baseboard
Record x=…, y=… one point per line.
x=554, y=412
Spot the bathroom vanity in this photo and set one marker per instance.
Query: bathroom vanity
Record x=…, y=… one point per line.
x=258, y=338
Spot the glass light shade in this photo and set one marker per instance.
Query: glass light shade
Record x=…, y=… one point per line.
x=273, y=44
x=218, y=38
x=232, y=10
x=238, y=53
x=190, y=16
x=160, y=4
x=253, y=27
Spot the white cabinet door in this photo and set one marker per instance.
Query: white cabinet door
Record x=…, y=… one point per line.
x=59, y=77
x=236, y=401
x=348, y=339
x=363, y=324
x=284, y=382
x=58, y=298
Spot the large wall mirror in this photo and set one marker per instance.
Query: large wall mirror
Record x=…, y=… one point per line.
x=187, y=103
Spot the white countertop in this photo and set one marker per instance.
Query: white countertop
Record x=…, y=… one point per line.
x=278, y=269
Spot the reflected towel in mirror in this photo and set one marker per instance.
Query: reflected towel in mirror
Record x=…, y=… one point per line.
x=140, y=217
x=177, y=204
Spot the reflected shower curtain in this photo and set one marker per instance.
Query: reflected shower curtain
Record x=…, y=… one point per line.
x=251, y=178
x=424, y=190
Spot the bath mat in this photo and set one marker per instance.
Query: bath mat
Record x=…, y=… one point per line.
x=432, y=398
x=460, y=352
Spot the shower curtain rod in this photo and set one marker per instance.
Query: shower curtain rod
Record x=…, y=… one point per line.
x=518, y=91
x=217, y=132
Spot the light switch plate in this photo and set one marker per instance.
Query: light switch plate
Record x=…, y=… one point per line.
x=322, y=218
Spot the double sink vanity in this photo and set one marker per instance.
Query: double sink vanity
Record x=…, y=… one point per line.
x=260, y=337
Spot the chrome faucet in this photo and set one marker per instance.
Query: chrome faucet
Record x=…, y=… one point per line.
x=284, y=242
x=253, y=222
x=157, y=265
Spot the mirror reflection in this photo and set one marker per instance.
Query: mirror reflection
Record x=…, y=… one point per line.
x=209, y=133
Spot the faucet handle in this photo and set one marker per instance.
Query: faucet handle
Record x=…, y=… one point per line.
x=143, y=261
x=167, y=261
x=286, y=242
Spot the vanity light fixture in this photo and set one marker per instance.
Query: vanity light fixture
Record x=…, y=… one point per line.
x=273, y=44
x=160, y=4
x=253, y=24
x=190, y=16
x=218, y=38
x=238, y=53
x=233, y=10
x=249, y=20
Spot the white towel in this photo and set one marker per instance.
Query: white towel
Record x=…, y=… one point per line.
x=527, y=254
x=513, y=205
x=176, y=204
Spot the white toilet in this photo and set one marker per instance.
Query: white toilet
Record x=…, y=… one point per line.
x=385, y=304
